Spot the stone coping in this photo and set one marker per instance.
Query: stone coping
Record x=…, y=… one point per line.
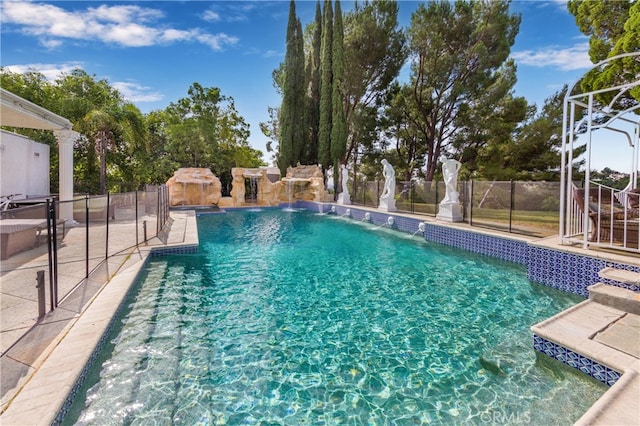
x=575, y=330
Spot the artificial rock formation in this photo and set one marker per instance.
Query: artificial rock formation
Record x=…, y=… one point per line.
x=267, y=193
x=303, y=183
x=194, y=187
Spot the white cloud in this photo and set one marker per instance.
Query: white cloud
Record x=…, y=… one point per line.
x=132, y=91
x=571, y=58
x=50, y=71
x=124, y=25
x=135, y=92
x=271, y=54
x=211, y=16
x=216, y=41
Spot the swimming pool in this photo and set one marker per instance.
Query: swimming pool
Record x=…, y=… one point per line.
x=294, y=317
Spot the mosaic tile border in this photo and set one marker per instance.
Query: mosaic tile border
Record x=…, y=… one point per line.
x=167, y=251
x=600, y=372
x=571, y=272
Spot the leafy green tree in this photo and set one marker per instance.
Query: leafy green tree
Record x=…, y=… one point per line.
x=399, y=131
x=375, y=50
x=457, y=53
x=338, y=123
x=108, y=123
x=485, y=127
x=326, y=87
x=614, y=29
x=155, y=163
x=205, y=130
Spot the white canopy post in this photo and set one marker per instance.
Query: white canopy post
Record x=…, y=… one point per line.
x=66, y=138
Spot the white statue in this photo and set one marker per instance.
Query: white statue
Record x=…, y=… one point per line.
x=387, y=199
x=344, y=197
x=330, y=179
x=450, y=169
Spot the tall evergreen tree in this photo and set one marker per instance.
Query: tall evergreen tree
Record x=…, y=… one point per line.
x=312, y=111
x=292, y=136
x=338, y=123
x=326, y=79
x=300, y=136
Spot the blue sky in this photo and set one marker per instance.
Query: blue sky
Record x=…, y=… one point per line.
x=152, y=51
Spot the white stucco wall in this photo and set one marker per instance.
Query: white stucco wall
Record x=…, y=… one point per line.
x=24, y=166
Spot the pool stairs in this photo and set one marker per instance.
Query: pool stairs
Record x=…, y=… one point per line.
x=605, y=329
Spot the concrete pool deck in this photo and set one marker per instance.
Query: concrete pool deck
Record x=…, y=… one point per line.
x=50, y=361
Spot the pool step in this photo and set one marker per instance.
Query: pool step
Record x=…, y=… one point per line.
x=620, y=275
x=615, y=297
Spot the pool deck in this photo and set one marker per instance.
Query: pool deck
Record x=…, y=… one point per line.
x=39, y=371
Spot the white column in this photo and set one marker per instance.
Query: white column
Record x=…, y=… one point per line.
x=66, y=138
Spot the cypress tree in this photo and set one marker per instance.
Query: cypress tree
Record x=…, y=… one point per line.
x=338, y=122
x=292, y=110
x=299, y=132
x=324, y=128
x=312, y=119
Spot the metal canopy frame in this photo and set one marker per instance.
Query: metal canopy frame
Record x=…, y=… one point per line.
x=595, y=117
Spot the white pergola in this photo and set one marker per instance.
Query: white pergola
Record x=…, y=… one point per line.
x=19, y=112
x=582, y=116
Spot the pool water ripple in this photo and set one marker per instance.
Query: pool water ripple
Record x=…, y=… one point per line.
x=287, y=318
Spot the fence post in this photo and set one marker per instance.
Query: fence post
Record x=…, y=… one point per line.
x=435, y=202
x=41, y=297
x=511, y=197
x=412, y=195
x=144, y=230
x=53, y=240
x=136, y=213
x=158, y=210
x=40, y=288
x=86, y=236
x=471, y=204
x=106, y=243
x=50, y=253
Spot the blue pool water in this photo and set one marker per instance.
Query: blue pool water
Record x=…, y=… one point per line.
x=298, y=318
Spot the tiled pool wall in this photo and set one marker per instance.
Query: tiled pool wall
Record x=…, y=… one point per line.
x=561, y=270
x=600, y=372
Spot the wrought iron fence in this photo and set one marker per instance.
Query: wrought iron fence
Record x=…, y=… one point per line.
x=527, y=208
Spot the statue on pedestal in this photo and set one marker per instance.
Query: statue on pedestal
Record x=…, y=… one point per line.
x=450, y=169
x=344, y=197
x=387, y=199
x=329, y=174
x=450, y=208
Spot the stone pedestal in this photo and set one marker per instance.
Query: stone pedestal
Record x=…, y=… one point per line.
x=344, y=198
x=450, y=212
x=387, y=204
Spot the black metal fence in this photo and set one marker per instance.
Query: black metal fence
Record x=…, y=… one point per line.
x=520, y=207
x=76, y=243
